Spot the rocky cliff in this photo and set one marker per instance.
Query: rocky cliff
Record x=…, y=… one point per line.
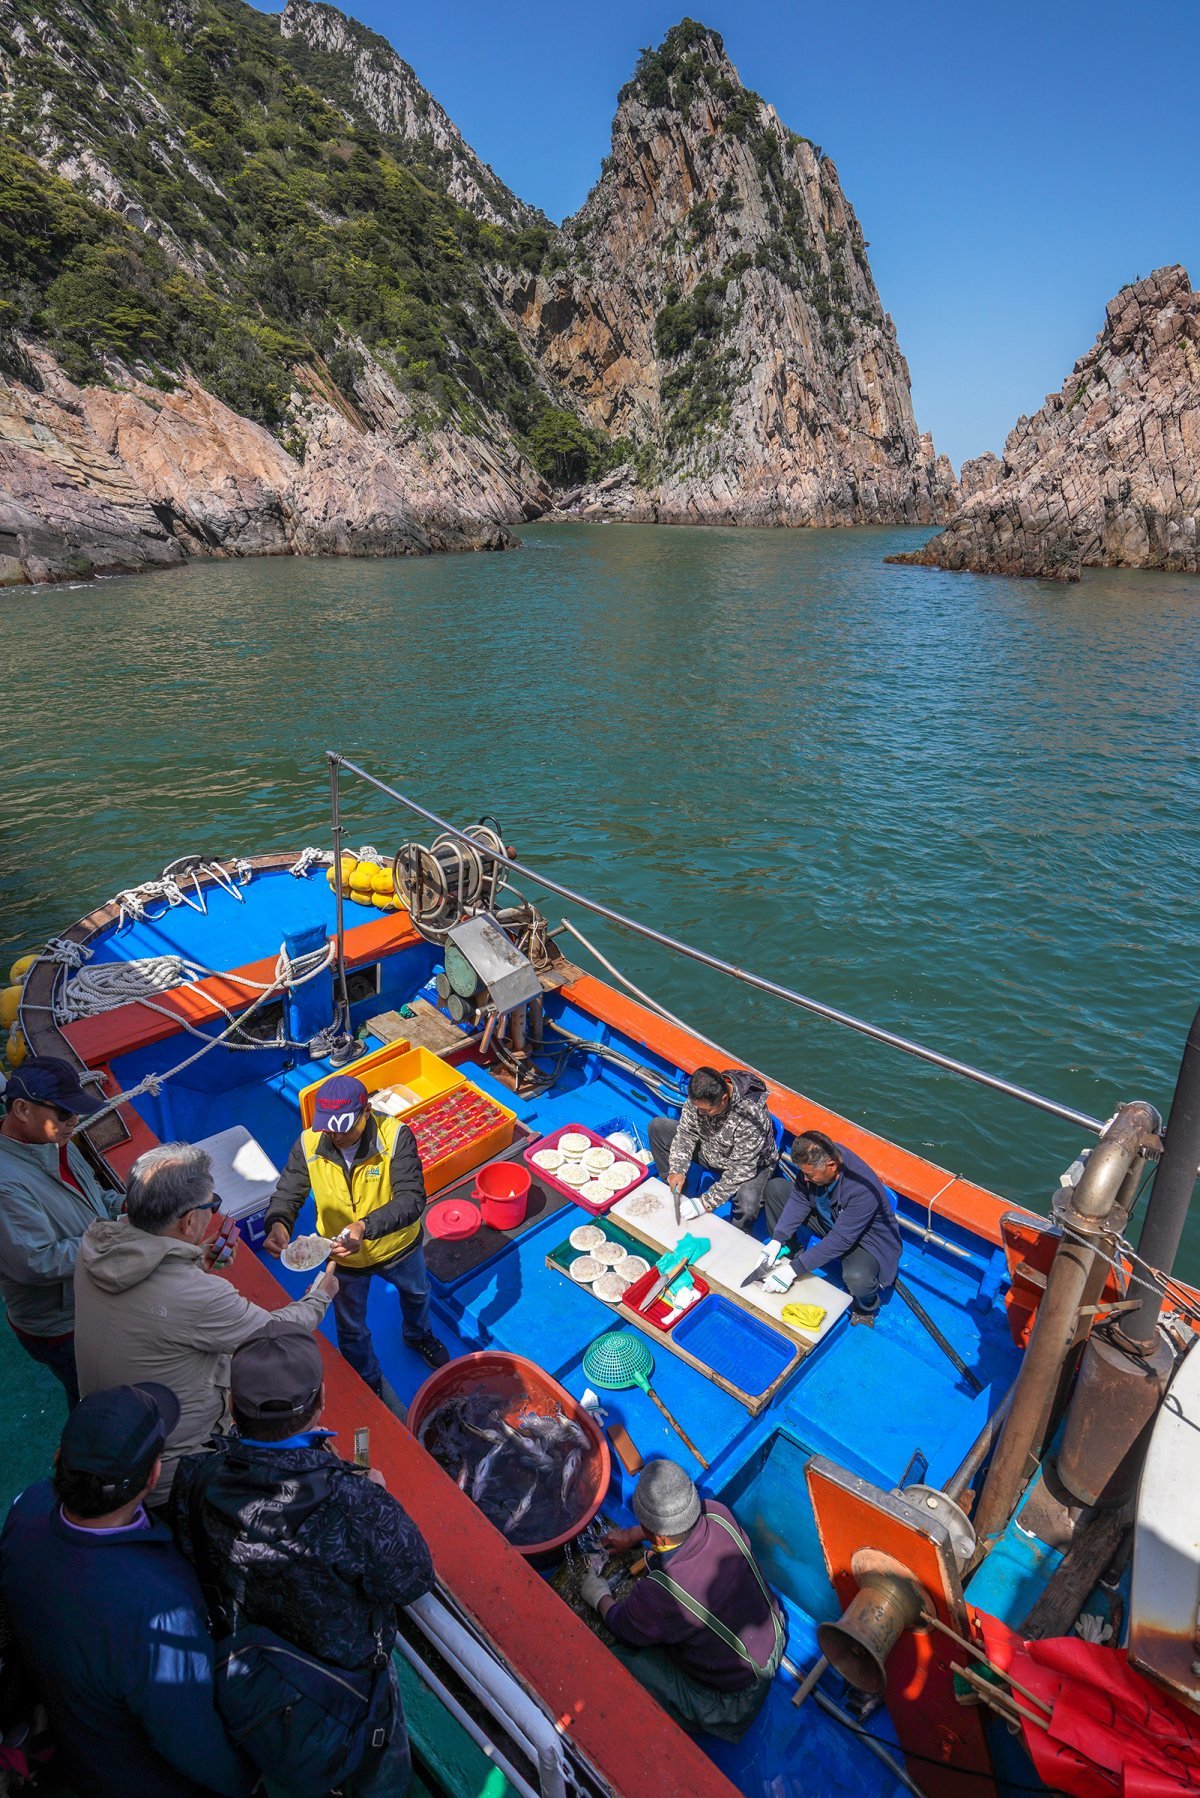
x=714, y=305
x=1107, y=474
x=257, y=295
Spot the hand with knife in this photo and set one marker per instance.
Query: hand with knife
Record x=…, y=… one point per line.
x=774, y=1271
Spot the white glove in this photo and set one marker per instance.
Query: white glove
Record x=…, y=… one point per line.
x=591, y=1404
x=592, y=1588
x=1093, y=1628
x=772, y=1252
x=690, y=1207
x=780, y=1277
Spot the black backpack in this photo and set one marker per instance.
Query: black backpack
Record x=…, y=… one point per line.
x=306, y=1725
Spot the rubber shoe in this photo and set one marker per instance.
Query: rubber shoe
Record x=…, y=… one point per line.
x=863, y=1317
x=431, y=1350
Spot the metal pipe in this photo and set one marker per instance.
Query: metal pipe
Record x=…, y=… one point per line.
x=1171, y=1195
x=342, y=1010
x=977, y=1454
x=463, y=1717
x=888, y=1037
x=1105, y=1180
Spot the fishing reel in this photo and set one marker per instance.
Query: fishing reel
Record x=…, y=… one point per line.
x=450, y=880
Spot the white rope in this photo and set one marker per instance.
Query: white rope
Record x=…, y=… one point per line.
x=288, y=974
x=311, y=858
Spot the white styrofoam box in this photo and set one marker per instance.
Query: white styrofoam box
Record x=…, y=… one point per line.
x=243, y=1173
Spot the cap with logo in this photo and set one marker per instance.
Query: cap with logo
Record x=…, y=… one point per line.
x=46, y=1080
x=118, y=1434
x=339, y=1104
x=272, y=1378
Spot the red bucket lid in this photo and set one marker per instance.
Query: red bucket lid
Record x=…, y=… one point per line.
x=453, y=1219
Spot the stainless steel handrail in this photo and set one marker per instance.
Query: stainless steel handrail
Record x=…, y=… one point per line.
x=890, y=1038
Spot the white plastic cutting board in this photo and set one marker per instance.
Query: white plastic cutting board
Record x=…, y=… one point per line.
x=732, y=1255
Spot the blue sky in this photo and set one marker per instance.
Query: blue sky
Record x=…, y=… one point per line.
x=1011, y=165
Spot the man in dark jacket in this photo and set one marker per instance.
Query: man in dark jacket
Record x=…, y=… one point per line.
x=854, y=1204
x=705, y=1633
x=309, y=1545
x=725, y=1126
x=365, y=1175
x=109, y=1618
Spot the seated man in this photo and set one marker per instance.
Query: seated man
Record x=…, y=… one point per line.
x=725, y=1126
x=109, y=1618
x=310, y=1546
x=149, y=1304
x=366, y=1179
x=706, y=1634
x=853, y=1202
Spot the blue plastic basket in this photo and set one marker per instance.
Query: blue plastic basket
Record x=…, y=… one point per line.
x=747, y=1353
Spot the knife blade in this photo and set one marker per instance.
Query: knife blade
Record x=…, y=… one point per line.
x=756, y=1273
x=675, y=1202
x=663, y=1281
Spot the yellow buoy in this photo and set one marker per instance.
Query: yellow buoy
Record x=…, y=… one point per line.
x=382, y=882
x=15, y=1049
x=21, y=967
x=10, y=1000
x=382, y=900
x=349, y=863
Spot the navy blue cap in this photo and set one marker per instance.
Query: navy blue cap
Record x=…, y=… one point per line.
x=339, y=1104
x=46, y=1080
x=119, y=1434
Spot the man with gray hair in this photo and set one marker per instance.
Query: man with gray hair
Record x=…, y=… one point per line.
x=149, y=1304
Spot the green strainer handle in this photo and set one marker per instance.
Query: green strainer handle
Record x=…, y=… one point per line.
x=674, y=1422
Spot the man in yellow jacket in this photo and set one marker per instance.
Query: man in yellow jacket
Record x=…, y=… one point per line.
x=365, y=1175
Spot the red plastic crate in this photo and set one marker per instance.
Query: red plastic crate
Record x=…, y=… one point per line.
x=633, y=1296
x=572, y=1192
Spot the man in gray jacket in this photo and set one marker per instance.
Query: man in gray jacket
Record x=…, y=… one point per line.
x=149, y=1305
x=48, y=1197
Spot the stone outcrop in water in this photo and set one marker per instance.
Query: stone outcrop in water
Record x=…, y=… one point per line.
x=716, y=308
x=1107, y=474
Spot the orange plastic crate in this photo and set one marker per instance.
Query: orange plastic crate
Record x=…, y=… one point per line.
x=424, y=1074
x=457, y=1132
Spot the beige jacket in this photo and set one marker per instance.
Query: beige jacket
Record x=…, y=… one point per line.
x=147, y=1309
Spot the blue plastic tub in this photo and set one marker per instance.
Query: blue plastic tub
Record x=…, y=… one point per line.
x=750, y=1354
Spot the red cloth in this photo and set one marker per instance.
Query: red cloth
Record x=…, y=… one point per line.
x=64, y=1169
x=1111, y=1731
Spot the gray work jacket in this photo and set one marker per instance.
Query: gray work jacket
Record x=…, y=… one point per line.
x=41, y=1222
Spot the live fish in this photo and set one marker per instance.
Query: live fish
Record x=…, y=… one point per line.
x=572, y=1430
x=482, y=1472
x=521, y=1509
x=570, y=1471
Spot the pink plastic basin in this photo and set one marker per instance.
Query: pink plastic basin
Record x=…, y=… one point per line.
x=525, y=1385
x=502, y=1189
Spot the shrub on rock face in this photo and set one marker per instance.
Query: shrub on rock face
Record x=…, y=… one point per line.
x=564, y=451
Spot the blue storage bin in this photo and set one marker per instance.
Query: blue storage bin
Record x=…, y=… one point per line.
x=743, y=1350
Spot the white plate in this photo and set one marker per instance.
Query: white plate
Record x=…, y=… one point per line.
x=305, y=1253
x=621, y=1173
x=598, y=1159
x=594, y=1191
x=571, y=1173
x=573, y=1143
x=633, y=1267
x=611, y=1287
x=586, y=1237
x=610, y=1252
x=585, y=1269
x=550, y=1159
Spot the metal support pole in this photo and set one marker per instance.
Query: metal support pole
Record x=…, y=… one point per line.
x=341, y=1006
x=1171, y=1196
x=1109, y=1179
x=888, y=1037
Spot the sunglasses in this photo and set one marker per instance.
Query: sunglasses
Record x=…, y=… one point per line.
x=62, y=1115
x=214, y=1204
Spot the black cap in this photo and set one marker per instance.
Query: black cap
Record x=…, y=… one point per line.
x=272, y=1378
x=118, y=1434
x=46, y=1080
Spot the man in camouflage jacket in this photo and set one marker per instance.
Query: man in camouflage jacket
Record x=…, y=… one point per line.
x=725, y=1126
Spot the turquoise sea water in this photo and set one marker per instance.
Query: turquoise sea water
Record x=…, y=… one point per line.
x=964, y=809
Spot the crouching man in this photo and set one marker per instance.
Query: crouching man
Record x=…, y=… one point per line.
x=705, y=1633
x=855, y=1222
x=724, y=1126
x=286, y=1535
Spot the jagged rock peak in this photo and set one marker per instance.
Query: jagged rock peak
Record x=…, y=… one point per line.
x=380, y=86
x=1107, y=473
x=713, y=303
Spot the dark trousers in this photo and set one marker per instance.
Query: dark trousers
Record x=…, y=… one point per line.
x=747, y=1198
x=859, y=1268
x=408, y=1276
x=58, y=1354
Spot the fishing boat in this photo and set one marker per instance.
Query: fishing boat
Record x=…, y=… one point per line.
x=979, y=1515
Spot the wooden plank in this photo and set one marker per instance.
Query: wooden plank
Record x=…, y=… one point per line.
x=1095, y=1542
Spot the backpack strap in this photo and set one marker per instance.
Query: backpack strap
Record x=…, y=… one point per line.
x=705, y=1616
x=227, y=1605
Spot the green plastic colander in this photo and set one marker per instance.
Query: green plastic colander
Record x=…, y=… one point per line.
x=617, y=1361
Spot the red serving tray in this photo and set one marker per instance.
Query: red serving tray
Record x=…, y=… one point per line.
x=572, y=1192
x=632, y=1300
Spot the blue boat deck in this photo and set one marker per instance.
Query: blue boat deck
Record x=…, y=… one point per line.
x=885, y=1403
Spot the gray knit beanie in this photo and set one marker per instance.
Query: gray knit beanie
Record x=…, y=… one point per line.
x=665, y=1500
